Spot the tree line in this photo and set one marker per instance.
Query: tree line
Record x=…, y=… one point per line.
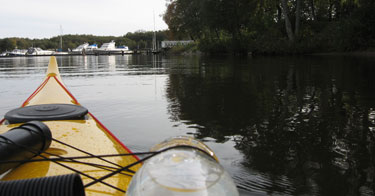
x=274, y=26
x=135, y=40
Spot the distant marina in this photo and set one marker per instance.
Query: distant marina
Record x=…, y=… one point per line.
x=109, y=48
x=84, y=49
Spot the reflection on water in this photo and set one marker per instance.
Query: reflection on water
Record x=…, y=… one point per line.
x=307, y=124
x=81, y=65
x=284, y=126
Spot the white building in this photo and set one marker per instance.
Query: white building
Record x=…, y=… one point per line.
x=170, y=44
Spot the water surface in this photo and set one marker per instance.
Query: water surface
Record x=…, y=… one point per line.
x=280, y=126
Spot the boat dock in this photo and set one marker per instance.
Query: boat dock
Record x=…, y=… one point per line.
x=82, y=50
x=69, y=54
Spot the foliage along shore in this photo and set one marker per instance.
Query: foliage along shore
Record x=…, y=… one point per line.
x=274, y=26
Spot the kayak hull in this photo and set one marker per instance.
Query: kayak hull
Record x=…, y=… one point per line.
x=88, y=135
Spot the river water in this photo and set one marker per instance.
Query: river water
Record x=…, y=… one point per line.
x=279, y=125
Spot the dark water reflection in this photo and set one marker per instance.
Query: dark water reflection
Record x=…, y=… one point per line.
x=280, y=126
x=310, y=120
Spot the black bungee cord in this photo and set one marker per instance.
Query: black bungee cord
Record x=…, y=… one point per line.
x=63, y=143
x=90, y=154
x=36, y=152
x=113, y=170
x=144, y=159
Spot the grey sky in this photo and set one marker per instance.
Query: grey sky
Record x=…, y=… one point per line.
x=42, y=18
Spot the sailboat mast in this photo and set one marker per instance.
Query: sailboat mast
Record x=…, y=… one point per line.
x=154, y=38
x=61, y=34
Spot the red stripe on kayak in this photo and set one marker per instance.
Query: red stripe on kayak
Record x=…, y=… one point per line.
x=1, y=121
x=36, y=92
x=66, y=90
x=113, y=136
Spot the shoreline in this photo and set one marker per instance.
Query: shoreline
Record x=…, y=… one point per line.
x=189, y=53
x=354, y=53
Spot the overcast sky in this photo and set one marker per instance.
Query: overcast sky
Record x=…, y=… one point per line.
x=42, y=18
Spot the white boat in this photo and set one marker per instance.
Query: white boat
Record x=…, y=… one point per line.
x=110, y=48
x=92, y=47
x=80, y=49
x=39, y=51
x=17, y=52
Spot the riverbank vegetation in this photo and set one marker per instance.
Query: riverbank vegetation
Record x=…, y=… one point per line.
x=273, y=26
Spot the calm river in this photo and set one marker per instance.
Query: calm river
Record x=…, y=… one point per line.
x=280, y=125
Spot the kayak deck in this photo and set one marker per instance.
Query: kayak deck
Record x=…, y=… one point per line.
x=88, y=135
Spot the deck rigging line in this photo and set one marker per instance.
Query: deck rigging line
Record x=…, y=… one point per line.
x=36, y=152
x=101, y=158
x=142, y=160
x=77, y=157
x=113, y=170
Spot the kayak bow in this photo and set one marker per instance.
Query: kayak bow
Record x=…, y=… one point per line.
x=77, y=136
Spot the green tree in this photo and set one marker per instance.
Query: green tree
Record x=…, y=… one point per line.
x=8, y=44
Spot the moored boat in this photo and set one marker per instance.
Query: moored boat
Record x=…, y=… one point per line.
x=110, y=48
x=91, y=49
x=80, y=49
x=39, y=52
x=17, y=52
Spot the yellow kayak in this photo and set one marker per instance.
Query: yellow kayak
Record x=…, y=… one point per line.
x=74, y=137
